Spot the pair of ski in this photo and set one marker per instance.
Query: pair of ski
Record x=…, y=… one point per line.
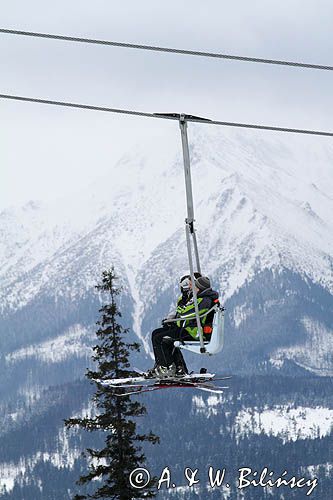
x=141, y=384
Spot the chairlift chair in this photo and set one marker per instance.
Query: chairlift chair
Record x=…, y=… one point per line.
x=215, y=344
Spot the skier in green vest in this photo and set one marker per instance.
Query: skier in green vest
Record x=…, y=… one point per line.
x=168, y=359
x=186, y=295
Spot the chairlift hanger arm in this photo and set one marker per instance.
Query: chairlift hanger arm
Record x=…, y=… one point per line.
x=189, y=223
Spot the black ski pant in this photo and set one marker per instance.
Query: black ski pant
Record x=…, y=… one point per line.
x=164, y=350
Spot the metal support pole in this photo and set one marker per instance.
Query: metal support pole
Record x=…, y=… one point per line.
x=189, y=224
x=196, y=252
x=188, y=186
x=187, y=169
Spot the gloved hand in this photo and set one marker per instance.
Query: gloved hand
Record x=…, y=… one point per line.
x=165, y=322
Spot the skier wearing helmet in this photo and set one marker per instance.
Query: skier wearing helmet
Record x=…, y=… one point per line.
x=169, y=360
x=185, y=285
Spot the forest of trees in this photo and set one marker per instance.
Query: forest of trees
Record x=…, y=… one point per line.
x=119, y=436
x=187, y=438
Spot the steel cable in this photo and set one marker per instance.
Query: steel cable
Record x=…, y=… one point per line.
x=167, y=49
x=171, y=116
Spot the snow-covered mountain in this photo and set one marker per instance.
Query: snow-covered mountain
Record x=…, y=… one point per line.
x=263, y=206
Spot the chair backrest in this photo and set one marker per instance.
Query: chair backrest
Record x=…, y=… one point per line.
x=217, y=339
x=215, y=344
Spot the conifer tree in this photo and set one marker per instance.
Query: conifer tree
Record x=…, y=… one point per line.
x=122, y=452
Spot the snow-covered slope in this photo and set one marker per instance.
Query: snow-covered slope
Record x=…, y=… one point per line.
x=263, y=204
x=315, y=355
x=287, y=422
x=258, y=206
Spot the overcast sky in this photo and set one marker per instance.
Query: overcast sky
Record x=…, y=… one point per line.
x=46, y=152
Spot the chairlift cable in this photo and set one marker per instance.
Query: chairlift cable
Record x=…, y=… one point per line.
x=169, y=50
x=172, y=116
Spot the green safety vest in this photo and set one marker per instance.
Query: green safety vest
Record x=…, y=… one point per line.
x=179, y=306
x=190, y=310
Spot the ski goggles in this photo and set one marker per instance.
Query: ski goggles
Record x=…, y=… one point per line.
x=185, y=283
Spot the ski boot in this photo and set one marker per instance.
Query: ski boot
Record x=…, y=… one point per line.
x=151, y=373
x=165, y=371
x=181, y=372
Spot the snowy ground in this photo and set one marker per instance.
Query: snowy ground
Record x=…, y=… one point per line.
x=64, y=457
x=283, y=421
x=287, y=423
x=315, y=355
x=71, y=343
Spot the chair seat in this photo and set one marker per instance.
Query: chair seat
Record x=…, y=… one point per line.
x=214, y=345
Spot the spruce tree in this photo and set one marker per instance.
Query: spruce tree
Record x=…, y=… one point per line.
x=122, y=452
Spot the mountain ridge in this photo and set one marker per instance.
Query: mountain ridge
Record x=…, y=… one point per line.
x=255, y=211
